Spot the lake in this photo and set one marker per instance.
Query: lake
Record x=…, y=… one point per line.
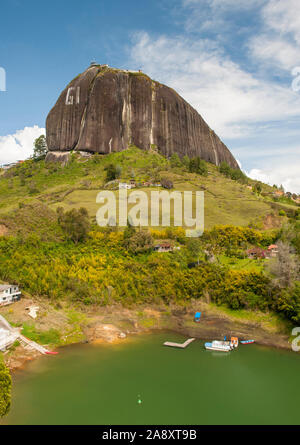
x=102, y=384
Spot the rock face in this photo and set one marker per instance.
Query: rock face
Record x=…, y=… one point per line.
x=105, y=110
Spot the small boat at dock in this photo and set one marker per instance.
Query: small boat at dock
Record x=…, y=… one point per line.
x=247, y=342
x=217, y=345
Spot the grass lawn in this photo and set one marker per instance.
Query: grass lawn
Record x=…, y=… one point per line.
x=268, y=320
x=243, y=264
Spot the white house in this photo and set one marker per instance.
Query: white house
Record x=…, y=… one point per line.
x=124, y=185
x=9, y=293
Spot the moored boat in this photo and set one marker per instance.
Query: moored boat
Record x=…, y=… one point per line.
x=234, y=342
x=217, y=345
x=247, y=342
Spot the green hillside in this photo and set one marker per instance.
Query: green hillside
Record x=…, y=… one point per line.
x=65, y=256
x=77, y=184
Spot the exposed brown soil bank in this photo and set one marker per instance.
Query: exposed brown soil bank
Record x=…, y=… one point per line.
x=109, y=324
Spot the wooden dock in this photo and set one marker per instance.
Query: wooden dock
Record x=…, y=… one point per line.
x=13, y=334
x=33, y=345
x=179, y=345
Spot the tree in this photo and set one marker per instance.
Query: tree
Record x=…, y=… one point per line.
x=186, y=162
x=166, y=183
x=238, y=175
x=141, y=241
x=194, y=248
x=118, y=171
x=257, y=187
x=40, y=147
x=5, y=390
x=198, y=166
x=289, y=302
x=285, y=267
x=225, y=169
x=233, y=173
x=74, y=223
x=128, y=232
x=111, y=172
x=175, y=160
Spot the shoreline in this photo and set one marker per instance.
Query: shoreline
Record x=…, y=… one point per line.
x=116, y=324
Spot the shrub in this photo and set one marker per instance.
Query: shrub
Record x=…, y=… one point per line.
x=111, y=172
x=175, y=160
x=224, y=169
x=233, y=173
x=74, y=223
x=5, y=390
x=33, y=189
x=198, y=166
x=257, y=188
x=139, y=242
x=288, y=302
x=166, y=183
x=185, y=162
x=96, y=159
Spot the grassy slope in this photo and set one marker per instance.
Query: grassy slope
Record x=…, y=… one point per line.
x=77, y=185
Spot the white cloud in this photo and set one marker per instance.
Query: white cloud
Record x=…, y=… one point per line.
x=286, y=174
x=19, y=146
x=278, y=43
x=283, y=16
x=229, y=98
x=241, y=103
x=209, y=15
x=275, y=50
x=223, y=4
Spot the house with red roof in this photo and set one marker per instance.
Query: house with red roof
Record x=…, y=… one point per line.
x=272, y=251
x=256, y=252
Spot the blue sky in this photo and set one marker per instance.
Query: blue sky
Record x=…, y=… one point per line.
x=231, y=59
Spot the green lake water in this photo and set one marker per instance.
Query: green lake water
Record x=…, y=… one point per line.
x=101, y=384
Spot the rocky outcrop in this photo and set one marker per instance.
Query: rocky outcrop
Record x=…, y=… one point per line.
x=105, y=110
x=58, y=156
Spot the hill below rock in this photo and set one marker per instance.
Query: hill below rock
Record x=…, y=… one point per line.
x=31, y=192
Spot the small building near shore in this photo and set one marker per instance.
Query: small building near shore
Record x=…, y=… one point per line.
x=256, y=252
x=272, y=251
x=278, y=193
x=9, y=293
x=163, y=247
x=124, y=185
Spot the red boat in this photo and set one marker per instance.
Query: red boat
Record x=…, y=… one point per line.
x=247, y=342
x=51, y=352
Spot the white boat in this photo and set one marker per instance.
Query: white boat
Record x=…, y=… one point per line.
x=217, y=345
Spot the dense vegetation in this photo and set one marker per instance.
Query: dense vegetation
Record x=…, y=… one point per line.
x=55, y=251
x=111, y=266
x=5, y=389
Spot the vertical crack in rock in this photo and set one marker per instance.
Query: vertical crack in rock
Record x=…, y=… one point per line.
x=153, y=99
x=83, y=119
x=214, y=149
